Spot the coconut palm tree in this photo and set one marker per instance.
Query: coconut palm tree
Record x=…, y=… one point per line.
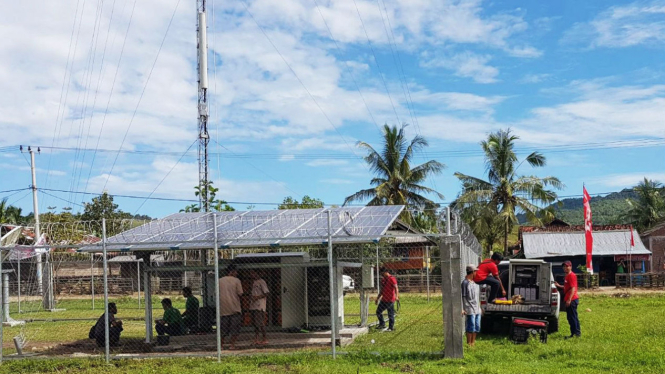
x=396, y=181
x=649, y=208
x=504, y=193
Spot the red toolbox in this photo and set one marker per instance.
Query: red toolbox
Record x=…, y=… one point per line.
x=522, y=328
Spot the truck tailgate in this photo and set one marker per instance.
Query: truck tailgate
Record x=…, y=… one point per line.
x=518, y=308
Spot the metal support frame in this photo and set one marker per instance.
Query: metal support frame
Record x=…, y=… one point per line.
x=217, y=311
x=106, y=295
x=333, y=293
x=2, y=258
x=92, y=278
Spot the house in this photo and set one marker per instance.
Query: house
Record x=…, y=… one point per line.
x=611, y=243
x=654, y=240
x=409, y=252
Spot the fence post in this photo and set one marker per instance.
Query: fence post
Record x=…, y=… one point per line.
x=18, y=285
x=106, y=294
x=217, y=311
x=92, y=278
x=451, y=292
x=3, y=305
x=138, y=280
x=378, y=277
x=333, y=317
x=427, y=262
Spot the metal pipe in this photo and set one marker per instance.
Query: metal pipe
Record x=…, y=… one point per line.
x=1, y=324
x=138, y=280
x=448, y=225
x=333, y=317
x=18, y=284
x=92, y=278
x=427, y=262
x=38, y=235
x=378, y=276
x=147, y=294
x=106, y=295
x=5, y=297
x=217, y=304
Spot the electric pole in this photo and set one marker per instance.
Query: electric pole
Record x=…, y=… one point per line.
x=40, y=286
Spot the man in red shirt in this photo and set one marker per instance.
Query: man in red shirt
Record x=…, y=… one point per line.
x=388, y=294
x=487, y=267
x=571, y=299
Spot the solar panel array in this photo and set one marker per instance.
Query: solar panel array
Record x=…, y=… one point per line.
x=257, y=228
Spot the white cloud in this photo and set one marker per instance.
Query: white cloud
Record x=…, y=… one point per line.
x=323, y=162
x=622, y=26
x=534, y=78
x=457, y=100
x=628, y=179
x=467, y=64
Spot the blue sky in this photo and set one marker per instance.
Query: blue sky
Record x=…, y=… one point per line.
x=295, y=84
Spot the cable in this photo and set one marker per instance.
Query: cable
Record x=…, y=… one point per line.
x=369, y=42
x=166, y=176
x=17, y=189
x=131, y=121
x=59, y=198
x=298, y=78
x=348, y=70
x=108, y=102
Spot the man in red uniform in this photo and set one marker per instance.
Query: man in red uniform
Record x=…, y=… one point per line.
x=571, y=299
x=388, y=294
x=489, y=267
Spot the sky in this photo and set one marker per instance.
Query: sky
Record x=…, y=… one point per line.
x=108, y=92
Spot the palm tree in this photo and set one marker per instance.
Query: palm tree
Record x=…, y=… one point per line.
x=4, y=211
x=396, y=182
x=504, y=193
x=649, y=208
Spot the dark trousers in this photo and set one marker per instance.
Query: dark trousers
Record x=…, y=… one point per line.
x=114, y=337
x=494, y=287
x=573, y=319
x=390, y=307
x=168, y=330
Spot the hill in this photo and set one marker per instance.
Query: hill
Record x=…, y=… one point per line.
x=606, y=210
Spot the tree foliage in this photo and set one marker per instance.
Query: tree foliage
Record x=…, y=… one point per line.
x=214, y=203
x=306, y=203
x=494, y=202
x=10, y=213
x=103, y=207
x=648, y=208
x=396, y=181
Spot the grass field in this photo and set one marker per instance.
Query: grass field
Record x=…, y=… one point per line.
x=620, y=335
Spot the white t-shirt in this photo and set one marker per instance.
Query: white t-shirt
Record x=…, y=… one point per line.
x=259, y=287
x=230, y=289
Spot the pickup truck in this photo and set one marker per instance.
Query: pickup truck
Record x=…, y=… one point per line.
x=533, y=280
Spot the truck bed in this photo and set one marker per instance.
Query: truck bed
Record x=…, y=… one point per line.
x=518, y=308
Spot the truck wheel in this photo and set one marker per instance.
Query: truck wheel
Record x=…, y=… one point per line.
x=487, y=325
x=553, y=325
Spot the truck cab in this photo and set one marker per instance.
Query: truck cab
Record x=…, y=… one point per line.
x=533, y=280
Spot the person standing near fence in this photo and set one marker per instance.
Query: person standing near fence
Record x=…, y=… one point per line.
x=385, y=301
x=471, y=305
x=491, y=267
x=257, y=307
x=230, y=290
x=571, y=299
x=191, y=315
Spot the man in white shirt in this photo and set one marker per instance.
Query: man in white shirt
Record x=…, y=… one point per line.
x=230, y=290
x=258, y=307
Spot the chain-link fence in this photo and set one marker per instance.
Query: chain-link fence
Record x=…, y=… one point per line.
x=279, y=281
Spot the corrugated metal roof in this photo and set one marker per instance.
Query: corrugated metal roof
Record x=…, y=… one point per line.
x=605, y=243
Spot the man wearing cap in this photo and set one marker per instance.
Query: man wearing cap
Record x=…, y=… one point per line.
x=571, y=299
x=470, y=305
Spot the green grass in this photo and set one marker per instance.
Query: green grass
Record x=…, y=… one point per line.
x=619, y=336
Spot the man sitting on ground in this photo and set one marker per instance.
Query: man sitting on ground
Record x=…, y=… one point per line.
x=115, y=327
x=171, y=322
x=191, y=315
x=487, y=268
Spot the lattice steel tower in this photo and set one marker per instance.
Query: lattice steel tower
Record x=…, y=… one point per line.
x=204, y=138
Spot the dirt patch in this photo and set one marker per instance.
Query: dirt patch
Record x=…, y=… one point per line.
x=404, y=368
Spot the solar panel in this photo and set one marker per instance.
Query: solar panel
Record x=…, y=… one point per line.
x=257, y=228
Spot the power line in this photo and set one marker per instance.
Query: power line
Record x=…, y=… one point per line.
x=60, y=198
x=131, y=121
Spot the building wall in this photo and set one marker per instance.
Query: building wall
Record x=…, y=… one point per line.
x=655, y=241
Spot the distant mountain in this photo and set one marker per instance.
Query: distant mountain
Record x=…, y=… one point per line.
x=606, y=210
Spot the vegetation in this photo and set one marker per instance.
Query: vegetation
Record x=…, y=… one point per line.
x=306, y=203
x=214, y=203
x=10, y=213
x=492, y=205
x=615, y=339
x=396, y=181
x=649, y=207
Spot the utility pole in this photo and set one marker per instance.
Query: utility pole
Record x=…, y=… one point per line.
x=40, y=286
x=204, y=137
x=47, y=294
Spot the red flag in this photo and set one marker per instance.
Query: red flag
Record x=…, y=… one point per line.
x=587, y=230
x=632, y=240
